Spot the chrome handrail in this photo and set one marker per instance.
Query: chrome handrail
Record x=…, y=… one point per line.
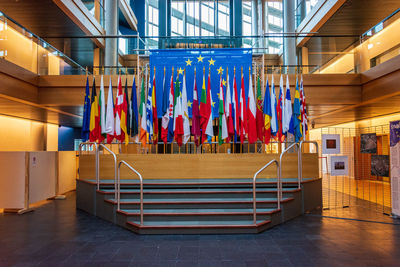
x=254, y=187
x=119, y=188
x=298, y=163
x=115, y=168
x=301, y=152
x=96, y=150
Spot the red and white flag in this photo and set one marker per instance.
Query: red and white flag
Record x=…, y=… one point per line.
x=243, y=115
x=251, y=114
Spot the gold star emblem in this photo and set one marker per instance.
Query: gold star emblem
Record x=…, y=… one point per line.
x=220, y=70
x=223, y=82
x=218, y=95
x=211, y=61
x=189, y=104
x=180, y=71
x=212, y=103
x=188, y=62
x=179, y=83
x=200, y=58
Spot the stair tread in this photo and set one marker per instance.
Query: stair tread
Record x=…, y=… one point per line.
x=199, y=181
x=196, y=200
x=196, y=190
x=190, y=211
x=196, y=223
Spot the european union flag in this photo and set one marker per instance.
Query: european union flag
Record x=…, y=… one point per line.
x=86, y=115
x=214, y=60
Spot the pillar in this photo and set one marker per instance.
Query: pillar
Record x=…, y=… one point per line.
x=289, y=26
x=111, y=27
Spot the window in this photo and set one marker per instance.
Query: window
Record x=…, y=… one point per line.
x=151, y=21
x=246, y=16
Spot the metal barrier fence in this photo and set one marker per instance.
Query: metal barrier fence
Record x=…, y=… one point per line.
x=360, y=187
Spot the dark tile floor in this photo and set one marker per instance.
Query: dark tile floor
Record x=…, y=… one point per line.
x=57, y=234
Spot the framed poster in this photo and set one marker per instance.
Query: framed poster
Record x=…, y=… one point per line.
x=339, y=165
x=395, y=166
x=330, y=144
x=380, y=165
x=368, y=143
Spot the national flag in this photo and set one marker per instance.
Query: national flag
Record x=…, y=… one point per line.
x=125, y=116
x=274, y=117
x=287, y=113
x=222, y=126
x=85, y=133
x=164, y=111
x=185, y=111
x=196, y=132
x=267, y=114
x=102, y=105
x=118, y=110
x=243, y=111
x=297, y=113
x=210, y=105
x=110, y=116
x=149, y=111
x=228, y=110
x=154, y=110
x=178, y=113
x=94, y=115
x=143, y=115
x=235, y=108
x=171, y=106
x=251, y=114
x=134, y=123
x=279, y=109
x=303, y=107
x=259, y=113
x=205, y=110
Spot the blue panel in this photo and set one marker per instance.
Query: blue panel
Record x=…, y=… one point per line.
x=66, y=137
x=177, y=58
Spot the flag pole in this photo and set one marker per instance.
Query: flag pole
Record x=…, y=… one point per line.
x=241, y=128
x=248, y=143
x=172, y=142
x=263, y=141
x=163, y=114
x=280, y=137
x=156, y=144
x=233, y=139
x=211, y=147
x=226, y=147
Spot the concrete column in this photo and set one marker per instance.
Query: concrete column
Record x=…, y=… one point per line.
x=289, y=26
x=111, y=27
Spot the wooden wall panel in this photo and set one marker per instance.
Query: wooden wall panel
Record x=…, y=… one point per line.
x=197, y=166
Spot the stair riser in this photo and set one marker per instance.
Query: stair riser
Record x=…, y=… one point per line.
x=199, y=206
x=222, y=218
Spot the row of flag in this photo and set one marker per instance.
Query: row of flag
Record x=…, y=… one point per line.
x=255, y=118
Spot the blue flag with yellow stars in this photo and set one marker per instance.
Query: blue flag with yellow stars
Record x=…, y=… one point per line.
x=215, y=61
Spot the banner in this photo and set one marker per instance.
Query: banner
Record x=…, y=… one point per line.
x=215, y=59
x=395, y=166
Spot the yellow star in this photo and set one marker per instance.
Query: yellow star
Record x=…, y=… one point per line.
x=212, y=103
x=218, y=95
x=223, y=82
x=200, y=58
x=176, y=82
x=188, y=62
x=189, y=104
x=220, y=70
x=211, y=61
x=180, y=71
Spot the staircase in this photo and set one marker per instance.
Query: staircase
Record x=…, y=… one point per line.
x=195, y=206
x=199, y=206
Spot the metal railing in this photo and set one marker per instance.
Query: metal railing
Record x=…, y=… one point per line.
x=119, y=188
x=96, y=159
x=299, y=170
x=279, y=181
x=115, y=167
x=301, y=152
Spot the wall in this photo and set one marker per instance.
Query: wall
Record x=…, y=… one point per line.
x=66, y=136
x=12, y=179
x=26, y=135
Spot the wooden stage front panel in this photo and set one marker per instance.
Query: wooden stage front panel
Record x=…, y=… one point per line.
x=198, y=166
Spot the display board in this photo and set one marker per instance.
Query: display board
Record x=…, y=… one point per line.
x=330, y=144
x=395, y=166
